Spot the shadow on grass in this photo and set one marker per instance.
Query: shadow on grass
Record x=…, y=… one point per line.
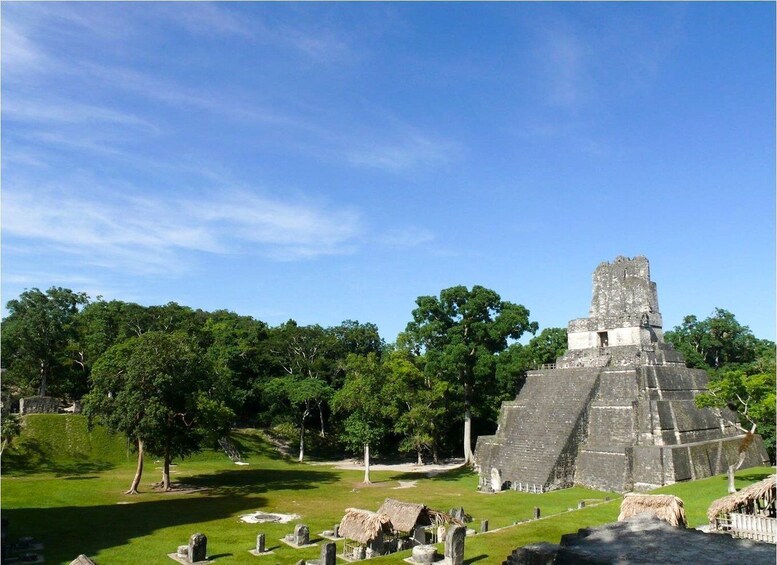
x=28, y=456
x=455, y=474
x=475, y=559
x=755, y=477
x=68, y=531
x=243, y=482
x=452, y=475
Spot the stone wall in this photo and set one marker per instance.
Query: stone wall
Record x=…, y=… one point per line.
x=39, y=405
x=623, y=286
x=539, y=432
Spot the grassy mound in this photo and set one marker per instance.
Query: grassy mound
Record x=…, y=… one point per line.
x=62, y=444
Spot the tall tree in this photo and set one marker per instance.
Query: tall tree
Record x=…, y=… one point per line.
x=362, y=399
x=36, y=336
x=304, y=352
x=302, y=393
x=155, y=388
x=461, y=332
x=234, y=346
x=715, y=341
x=414, y=402
x=513, y=363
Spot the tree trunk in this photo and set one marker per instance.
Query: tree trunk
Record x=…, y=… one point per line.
x=468, y=458
x=166, y=472
x=138, y=471
x=367, y=463
x=42, y=388
x=743, y=446
x=321, y=418
x=732, y=488
x=420, y=459
x=301, y=441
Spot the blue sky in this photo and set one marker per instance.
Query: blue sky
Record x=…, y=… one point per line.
x=332, y=161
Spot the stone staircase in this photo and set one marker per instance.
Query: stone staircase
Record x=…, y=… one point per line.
x=536, y=442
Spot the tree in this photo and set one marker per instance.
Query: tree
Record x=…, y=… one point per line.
x=753, y=398
x=10, y=428
x=513, y=363
x=714, y=342
x=36, y=336
x=302, y=393
x=414, y=402
x=362, y=399
x=234, y=345
x=155, y=388
x=461, y=332
x=303, y=352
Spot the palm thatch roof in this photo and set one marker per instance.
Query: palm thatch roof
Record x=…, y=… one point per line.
x=405, y=516
x=363, y=526
x=746, y=499
x=444, y=518
x=663, y=506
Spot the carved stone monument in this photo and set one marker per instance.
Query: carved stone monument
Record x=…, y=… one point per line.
x=328, y=554
x=617, y=411
x=301, y=535
x=198, y=545
x=454, y=545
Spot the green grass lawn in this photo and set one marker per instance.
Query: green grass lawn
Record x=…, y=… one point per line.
x=68, y=493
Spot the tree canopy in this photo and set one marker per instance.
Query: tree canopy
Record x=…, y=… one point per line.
x=156, y=389
x=461, y=332
x=37, y=339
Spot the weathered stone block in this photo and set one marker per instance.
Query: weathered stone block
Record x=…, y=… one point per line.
x=425, y=554
x=39, y=405
x=328, y=554
x=301, y=535
x=454, y=545
x=198, y=548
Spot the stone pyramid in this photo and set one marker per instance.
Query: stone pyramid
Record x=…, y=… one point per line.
x=616, y=411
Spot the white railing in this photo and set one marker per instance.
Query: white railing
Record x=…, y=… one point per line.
x=759, y=528
x=527, y=487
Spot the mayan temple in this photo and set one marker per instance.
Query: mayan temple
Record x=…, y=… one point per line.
x=616, y=411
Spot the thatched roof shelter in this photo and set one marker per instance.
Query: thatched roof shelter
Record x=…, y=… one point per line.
x=663, y=506
x=363, y=526
x=747, y=500
x=405, y=516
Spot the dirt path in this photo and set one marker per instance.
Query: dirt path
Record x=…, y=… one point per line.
x=429, y=470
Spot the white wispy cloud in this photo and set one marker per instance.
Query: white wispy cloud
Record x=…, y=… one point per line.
x=20, y=55
x=48, y=111
x=205, y=18
x=563, y=59
x=407, y=152
x=300, y=125
x=406, y=237
x=163, y=234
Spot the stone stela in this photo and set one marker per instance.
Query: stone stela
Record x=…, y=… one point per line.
x=616, y=411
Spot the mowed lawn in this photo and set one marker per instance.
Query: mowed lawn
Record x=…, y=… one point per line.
x=71, y=498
